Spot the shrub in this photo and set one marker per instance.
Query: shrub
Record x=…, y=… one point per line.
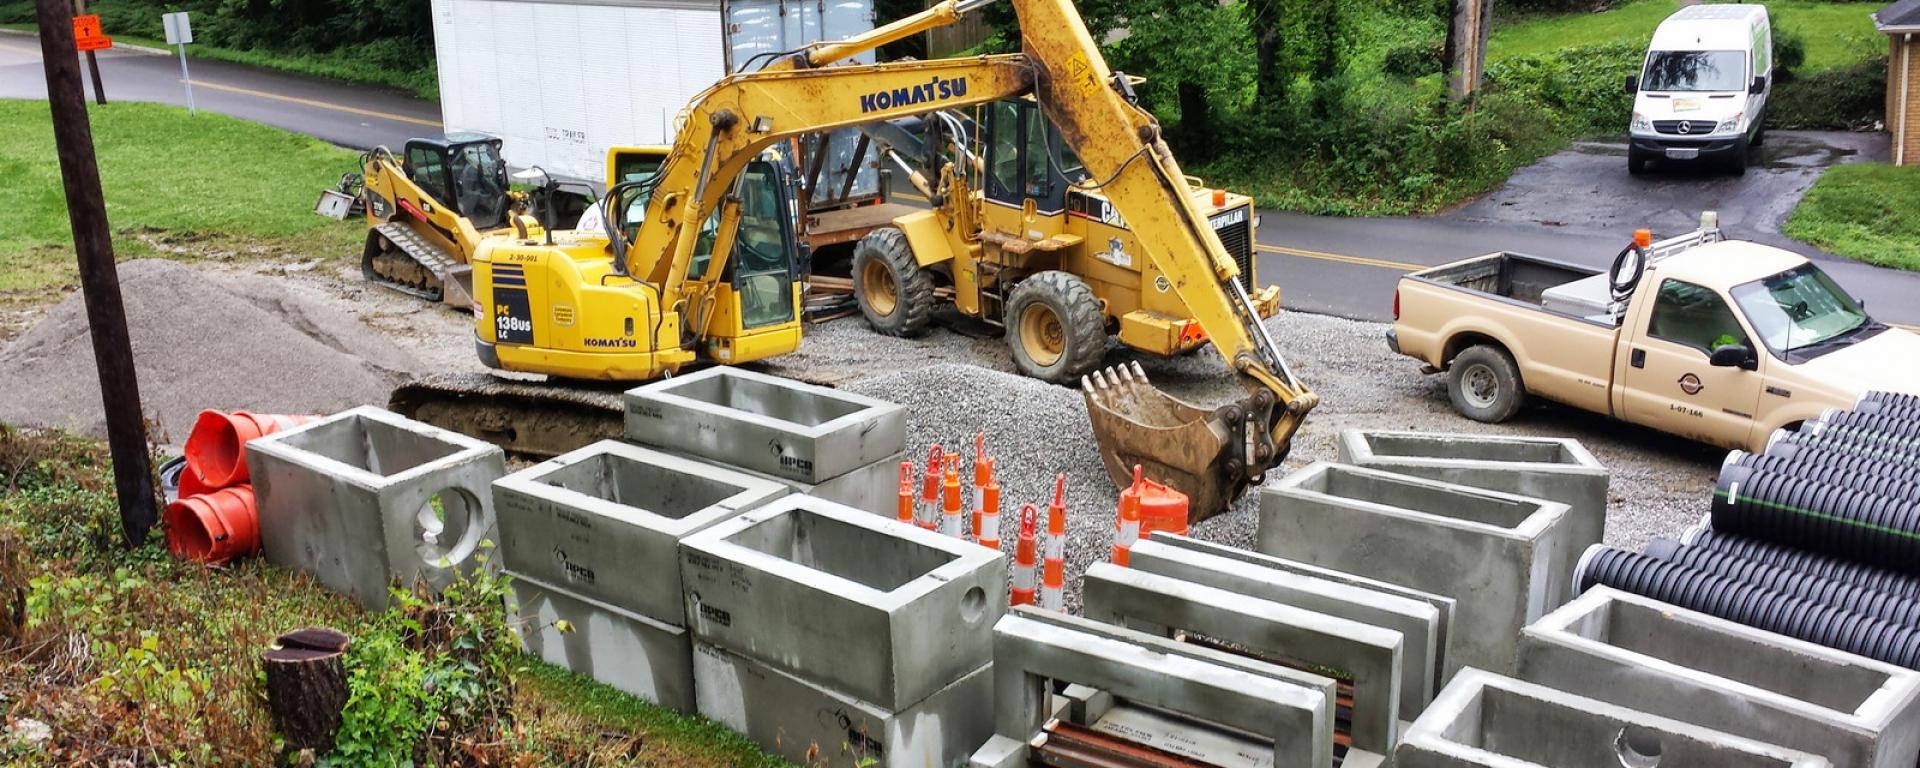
x=1583, y=84
x=1789, y=50
x=1411, y=60
x=1850, y=98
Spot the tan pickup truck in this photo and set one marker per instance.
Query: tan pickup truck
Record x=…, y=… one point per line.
x=1715, y=340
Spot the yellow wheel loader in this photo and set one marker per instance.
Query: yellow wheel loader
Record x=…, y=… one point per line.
x=696, y=263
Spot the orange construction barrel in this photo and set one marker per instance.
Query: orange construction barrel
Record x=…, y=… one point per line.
x=214, y=449
x=1161, y=508
x=215, y=527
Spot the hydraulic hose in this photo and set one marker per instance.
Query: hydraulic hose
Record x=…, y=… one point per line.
x=1815, y=565
x=1839, y=594
x=1744, y=603
x=1859, y=473
x=1819, y=517
x=1835, y=442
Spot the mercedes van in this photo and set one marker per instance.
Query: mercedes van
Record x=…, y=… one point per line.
x=1702, y=94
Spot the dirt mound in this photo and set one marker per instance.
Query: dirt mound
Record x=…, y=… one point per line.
x=200, y=341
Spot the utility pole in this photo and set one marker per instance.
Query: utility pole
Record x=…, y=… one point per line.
x=1466, y=47
x=99, y=279
x=93, y=62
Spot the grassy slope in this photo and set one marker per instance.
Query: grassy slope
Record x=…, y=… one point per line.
x=1865, y=212
x=1836, y=34
x=219, y=182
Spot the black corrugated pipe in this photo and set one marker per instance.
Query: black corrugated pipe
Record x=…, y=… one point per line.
x=1888, y=408
x=1793, y=453
x=1810, y=563
x=1835, y=442
x=1820, y=517
x=1890, y=429
x=1839, y=594
x=1879, y=478
x=1747, y=604
x=1902, y=400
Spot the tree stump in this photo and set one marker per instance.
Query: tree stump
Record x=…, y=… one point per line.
x=307, y=686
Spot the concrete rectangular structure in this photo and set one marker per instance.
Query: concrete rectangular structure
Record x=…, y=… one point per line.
x=810, y=724
x=649, y=659
x=1554, y=469
x=873, y=488
x=766, y=423
x=366, y=498
x=605, y=521
x=866, y=605
x=1367, y=655
x=1483, y=719
x=1647, y=655
x=1493, y=552
x=1416, y=622
x=1031, y=648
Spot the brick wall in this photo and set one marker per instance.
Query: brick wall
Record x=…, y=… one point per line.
x=1909, y=51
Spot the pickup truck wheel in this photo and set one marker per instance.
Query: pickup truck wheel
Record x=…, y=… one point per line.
x=894, y=292
x=1056, y=328
x=1485, y=384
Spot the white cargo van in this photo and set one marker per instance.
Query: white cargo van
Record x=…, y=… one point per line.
x=1702, y=95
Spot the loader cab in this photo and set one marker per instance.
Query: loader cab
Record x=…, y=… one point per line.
x=1026, y=158
x=463, y=172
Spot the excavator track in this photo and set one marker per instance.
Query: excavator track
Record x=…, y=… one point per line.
x=535, y=420
x=397, y=257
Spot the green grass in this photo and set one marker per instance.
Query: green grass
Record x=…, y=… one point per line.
x=1836, y=34
x=354, y=64
x=687, y=740
x=1867, y=212
x=210, y=183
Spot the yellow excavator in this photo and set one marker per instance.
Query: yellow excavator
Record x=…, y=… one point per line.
x=695, y=264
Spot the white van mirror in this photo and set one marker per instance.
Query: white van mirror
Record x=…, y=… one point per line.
x=1633, y=83
x=1759, y=85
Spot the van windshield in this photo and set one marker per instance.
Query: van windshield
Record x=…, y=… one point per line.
x=1695, y=71
x=1799, y=308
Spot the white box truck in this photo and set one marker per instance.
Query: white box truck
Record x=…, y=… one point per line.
x=1702, y=94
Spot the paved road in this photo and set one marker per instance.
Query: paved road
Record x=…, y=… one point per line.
x=1579, y=205
x=348, y=115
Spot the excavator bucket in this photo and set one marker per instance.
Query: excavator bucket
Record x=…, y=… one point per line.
x=1200, y=452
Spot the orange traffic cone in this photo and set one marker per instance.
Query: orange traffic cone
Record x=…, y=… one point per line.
x=929, y=513
x=952, y=522
x=982, y=474
x=989, y=536
x=214, y=448
x=905, y=513
x=1126, y=527
x=1053, y=577
x=1023, y=564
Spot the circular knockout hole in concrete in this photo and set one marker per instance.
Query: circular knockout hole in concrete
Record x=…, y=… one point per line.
x=442, y=527
x=1637, y=747
x=973, y=605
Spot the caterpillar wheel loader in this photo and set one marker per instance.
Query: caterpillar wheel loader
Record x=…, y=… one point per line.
x=697, y=264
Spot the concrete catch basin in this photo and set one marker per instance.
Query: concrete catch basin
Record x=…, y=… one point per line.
x=366, y=498
x=649, y=659
x=1483, y=719
x=766, y=423
x=871, y=607
x=1647, y=655
x=1495, y=553
x=605, y=521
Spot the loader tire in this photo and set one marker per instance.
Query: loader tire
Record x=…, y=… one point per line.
x=1056, y=328
x=894, y=292
x=1484, y=384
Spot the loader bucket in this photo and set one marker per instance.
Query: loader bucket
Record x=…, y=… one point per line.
x=1197, y=451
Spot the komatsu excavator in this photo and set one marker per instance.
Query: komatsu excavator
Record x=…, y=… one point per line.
x=694, y=265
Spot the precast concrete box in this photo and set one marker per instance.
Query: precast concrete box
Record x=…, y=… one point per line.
x=1495, y=553
x=649, y=659
x=1416, y=622
x=766, y=423
x=365, y=499
x=1647, y=655
x=1484, y=719
x=811, y=724
x=1367, y=656
x=1034, y=649
x=873, y=488
x=879, y=610
x=605, y=521
x=1554, y=469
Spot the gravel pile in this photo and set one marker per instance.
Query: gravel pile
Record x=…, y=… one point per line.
x=201, y=341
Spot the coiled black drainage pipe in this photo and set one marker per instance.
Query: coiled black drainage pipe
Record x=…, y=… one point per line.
x=1782, y=440
x=1813, y=564
x=1867, y=475
x=1847, y=597
x=1890, y=428
x=1896, y=398
x=1819, y=517
x=1888, y=408
x=1803, y=455
x=1747, y=604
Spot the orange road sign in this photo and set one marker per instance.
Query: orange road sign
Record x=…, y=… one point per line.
x=87, y=35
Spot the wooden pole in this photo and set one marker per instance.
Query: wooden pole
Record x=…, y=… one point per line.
x=93, y=62
x=1466, y=47
x=99, y=279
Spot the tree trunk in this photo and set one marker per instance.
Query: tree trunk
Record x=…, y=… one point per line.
x=307, y=687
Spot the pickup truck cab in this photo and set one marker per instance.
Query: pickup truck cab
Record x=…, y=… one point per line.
x=1718, y=341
